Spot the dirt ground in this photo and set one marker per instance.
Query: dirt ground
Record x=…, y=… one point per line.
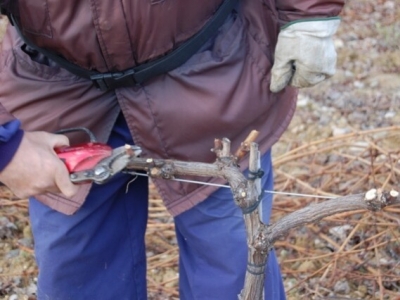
x=351, y=122
x=344, y=139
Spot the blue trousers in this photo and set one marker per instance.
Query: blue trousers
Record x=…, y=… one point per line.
x=99, y=253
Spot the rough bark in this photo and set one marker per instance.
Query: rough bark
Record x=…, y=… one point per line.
x=246, y=192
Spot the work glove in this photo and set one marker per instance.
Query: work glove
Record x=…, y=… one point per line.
x=305, y=54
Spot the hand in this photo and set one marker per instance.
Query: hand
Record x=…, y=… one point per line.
x=305, y=54
x=36, y=169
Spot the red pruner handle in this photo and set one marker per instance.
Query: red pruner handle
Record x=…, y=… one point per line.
x=83, y=157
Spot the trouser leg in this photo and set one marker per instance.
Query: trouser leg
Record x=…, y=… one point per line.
x=99, y=252
x=213, y=247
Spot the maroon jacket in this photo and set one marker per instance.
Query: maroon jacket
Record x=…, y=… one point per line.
x=222, y=91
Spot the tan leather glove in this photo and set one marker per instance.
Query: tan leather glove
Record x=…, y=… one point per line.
x=305, y=54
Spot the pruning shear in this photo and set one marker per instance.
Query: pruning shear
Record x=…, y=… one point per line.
x=94, y=161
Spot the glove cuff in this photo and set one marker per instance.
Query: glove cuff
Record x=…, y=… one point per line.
x=323, y=27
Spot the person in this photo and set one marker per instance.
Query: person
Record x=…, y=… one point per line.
x=244, y=75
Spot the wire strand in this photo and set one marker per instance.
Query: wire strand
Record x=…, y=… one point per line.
x=227, y=186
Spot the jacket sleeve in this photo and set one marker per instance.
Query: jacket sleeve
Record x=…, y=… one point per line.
x=10, y=137
x=293, y=10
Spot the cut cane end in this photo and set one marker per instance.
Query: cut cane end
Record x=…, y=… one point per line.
x=371, y=195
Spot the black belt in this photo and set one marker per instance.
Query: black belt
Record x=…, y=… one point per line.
x=141, y=73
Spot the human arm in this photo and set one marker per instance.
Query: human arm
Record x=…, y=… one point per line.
x=10, y=138
x=305, y=54
x=28, y=164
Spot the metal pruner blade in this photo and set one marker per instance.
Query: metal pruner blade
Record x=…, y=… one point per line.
x=107, y=167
